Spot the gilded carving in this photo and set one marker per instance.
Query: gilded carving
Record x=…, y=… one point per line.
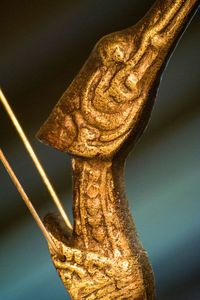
x=97, y=120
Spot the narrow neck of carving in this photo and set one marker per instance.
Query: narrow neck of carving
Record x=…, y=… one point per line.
x=162, y=26
x=167, y=17
x=101, y=214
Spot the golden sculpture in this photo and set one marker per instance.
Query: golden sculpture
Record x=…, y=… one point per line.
x=98, y=120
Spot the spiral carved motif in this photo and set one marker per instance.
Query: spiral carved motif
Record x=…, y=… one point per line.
x=97, y=120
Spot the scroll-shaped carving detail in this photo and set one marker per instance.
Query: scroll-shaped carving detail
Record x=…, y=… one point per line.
x=107, y=100
x=97, y=120
x=104, y=258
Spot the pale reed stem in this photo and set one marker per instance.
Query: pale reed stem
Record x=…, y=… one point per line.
x=34, y=158
x=29, y=204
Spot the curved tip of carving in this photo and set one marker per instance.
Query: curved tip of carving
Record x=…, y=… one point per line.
x=57, y=228
x=59, y=134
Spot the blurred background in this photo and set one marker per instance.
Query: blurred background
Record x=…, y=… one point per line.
x=43, y=46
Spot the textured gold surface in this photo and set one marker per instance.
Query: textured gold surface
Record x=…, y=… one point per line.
x=98, y=120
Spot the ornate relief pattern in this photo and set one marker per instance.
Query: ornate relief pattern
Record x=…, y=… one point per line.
x=97, y=120
x=107, y=99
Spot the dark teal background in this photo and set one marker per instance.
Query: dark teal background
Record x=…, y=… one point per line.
x=43, y=44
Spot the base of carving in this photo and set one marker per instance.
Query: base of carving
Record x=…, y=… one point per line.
x=88, y=275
